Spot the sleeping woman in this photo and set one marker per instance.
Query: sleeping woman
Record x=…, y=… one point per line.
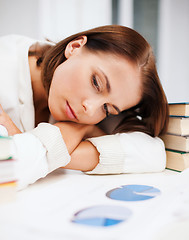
x=91, y=102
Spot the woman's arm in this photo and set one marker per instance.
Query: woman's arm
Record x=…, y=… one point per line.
x=52, y=148
x=134, y=152
x=84, y=156
x=48, y=147
x=74, y=133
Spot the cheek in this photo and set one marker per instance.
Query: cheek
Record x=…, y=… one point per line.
x=61, y=82
x=71, y=78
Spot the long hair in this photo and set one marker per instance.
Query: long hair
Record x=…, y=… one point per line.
x=151, y=114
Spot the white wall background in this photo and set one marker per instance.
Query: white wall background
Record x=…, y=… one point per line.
x=56, y=19
x=126, y=13
x=173, y=54
x=20, y=17
x=61, y=18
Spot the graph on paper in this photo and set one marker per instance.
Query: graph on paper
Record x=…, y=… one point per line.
x=102, y=215
x=133, y=193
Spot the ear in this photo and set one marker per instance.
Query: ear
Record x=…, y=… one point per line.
x=73, y=46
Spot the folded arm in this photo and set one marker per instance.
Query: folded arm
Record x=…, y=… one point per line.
x=84, y=155
x=43, y=150
x=87, y=148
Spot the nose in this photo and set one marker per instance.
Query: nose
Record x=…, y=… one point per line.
x=92, y=106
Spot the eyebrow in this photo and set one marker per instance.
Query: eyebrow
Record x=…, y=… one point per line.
x=108, y=88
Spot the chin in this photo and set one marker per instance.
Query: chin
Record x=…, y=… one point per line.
x=55, y=116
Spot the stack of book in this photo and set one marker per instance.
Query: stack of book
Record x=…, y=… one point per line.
x=7, y=170
x=177, y=137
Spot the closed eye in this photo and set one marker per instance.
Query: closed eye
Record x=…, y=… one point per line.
x=95, y=83
x=111, y=109
x=106, y=109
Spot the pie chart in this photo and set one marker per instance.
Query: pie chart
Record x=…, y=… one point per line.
x=133, y=193
x=102, y=215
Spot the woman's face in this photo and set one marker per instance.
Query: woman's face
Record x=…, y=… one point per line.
x=88, y=86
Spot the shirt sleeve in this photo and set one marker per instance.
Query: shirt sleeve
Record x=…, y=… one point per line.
x=56, y=150
x=38, y=153
x=134, y=152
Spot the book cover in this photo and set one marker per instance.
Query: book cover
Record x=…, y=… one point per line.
x=6, y=145
x=178, y=126
x=7, y=171
x=177, y=160
x=8, y=191
x=179, y=109
x=176, y=142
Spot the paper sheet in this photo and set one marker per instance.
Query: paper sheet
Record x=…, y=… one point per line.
x=48, y=210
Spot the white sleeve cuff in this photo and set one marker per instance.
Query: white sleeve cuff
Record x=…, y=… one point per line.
x=52, y=140
x=143, y=153
x=111, y=160
x=134, y=152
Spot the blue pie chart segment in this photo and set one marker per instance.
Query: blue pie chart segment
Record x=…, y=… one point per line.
x=133, y=193
x=102, y=216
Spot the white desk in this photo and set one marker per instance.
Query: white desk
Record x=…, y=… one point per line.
x=45, y=209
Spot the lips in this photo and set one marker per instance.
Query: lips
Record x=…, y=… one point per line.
x=69, y=111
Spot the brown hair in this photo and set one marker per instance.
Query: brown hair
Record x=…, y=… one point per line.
x=151, y=114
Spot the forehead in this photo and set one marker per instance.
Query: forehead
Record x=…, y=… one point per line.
x=124, y=78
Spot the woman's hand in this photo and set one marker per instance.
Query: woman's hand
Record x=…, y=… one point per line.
x=7, y=122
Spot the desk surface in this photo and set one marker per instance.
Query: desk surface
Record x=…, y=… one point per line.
x=45, y=209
